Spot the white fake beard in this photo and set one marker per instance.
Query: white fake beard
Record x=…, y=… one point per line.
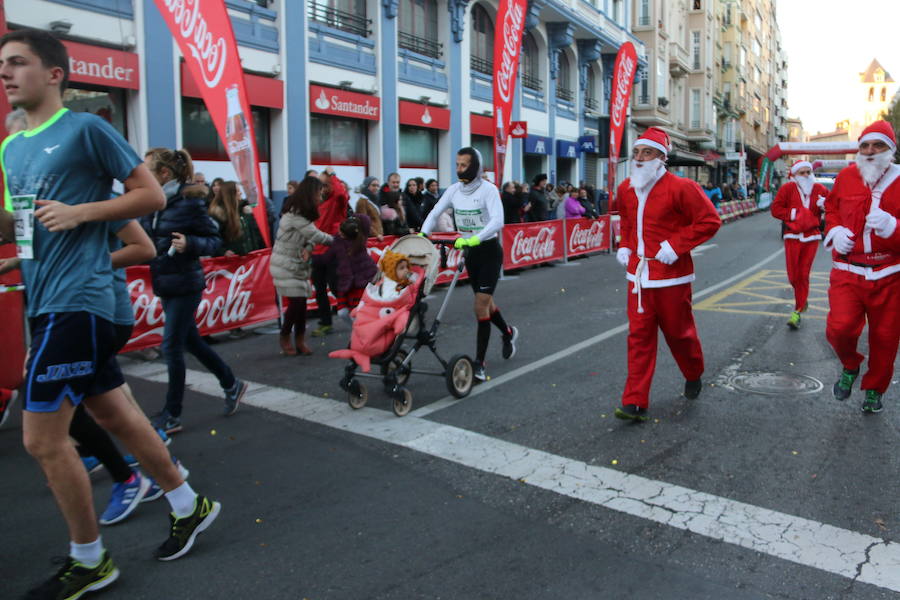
x=805, y=183
x=643, y=172
x=872, y=167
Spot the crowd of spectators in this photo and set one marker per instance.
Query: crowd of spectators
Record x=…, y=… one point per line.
x=542, y=201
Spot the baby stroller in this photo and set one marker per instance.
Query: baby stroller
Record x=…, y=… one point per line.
x=400, y=325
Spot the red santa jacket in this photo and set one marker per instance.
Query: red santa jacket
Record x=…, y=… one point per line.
x=848, y=204
x=676, y=210
x=801, y=216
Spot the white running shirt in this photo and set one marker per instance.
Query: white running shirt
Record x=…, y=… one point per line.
x=476, y=212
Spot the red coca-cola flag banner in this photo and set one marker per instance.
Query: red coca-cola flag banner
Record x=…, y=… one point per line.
x=239, y=292
x=527, y=244
x=587, y=235
x=507, y=44
x=623, y=78
x=206, y=39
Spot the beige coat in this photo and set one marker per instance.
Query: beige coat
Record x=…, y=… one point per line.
x=290, y=272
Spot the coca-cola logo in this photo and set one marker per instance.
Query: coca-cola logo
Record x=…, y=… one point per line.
x=625, y=75
x=208, y=51
x=533, y=245
x=513, y=22
x=582, y=240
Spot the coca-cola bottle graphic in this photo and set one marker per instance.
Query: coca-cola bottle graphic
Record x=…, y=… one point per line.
x=239, y=145
x=500, y=145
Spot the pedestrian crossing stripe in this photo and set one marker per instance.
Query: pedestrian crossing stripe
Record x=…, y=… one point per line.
x=764, y=291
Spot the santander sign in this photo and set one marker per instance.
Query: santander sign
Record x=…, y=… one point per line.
x=209, y=51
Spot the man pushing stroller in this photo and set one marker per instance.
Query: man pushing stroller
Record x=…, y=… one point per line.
x=478, y=214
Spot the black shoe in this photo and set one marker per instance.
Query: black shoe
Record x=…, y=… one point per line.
x=478, y=371
x=185, y=530
x=872, y=403
x=843, y=386
x=166, y=422
x=631, y=412
x=692, y=388
x=75, y=579
x=509, y=343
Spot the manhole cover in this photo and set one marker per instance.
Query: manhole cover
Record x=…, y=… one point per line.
x=776, y=384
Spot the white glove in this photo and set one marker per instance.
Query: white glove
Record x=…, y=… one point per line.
x=881, y=222
x=666, y=255
x=840, y=238
x=623, y=255
x=821, y=202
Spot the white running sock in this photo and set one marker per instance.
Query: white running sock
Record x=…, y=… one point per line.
x=181, y=499
x=89, y=554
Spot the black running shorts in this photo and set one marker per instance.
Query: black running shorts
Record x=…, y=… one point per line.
x=484, y=263
x=72, y=355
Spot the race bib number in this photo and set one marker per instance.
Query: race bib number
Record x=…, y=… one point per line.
x=468, y=220
x=23, y=214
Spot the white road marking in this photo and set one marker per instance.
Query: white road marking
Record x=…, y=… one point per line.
x=448, y=401
x=699, y=250
x=850, y=554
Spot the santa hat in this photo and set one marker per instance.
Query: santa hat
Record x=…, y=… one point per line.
x=882, y=131
x=800, y=164
x=655, y=138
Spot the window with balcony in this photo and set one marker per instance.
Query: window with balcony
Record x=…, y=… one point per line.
x=346, y=15
x=531, y=67
x=697, y=4
x=482, y=43
x=590, y=92
x=617, y=11
x=695, y=50
x=661, y=77
x=695, y=109
x=564, y=79
x=644, y=91
x=643, y=13
x=418, y=27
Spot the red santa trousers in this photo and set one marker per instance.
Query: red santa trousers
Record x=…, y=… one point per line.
x=668, y=309
x=853, y=300
x=799, y=257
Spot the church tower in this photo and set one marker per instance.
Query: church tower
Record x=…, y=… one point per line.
x=877, y=88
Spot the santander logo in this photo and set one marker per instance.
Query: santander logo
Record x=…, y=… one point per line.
x=513, y=22
x=533, y=245
x=582, y=239
x=322, y=102
x=426, y=117
x=208, y=51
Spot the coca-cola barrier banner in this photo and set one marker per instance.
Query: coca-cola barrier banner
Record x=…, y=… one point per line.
x=507, y=44
x=587, y=235
x=12, y=326
x=239, y=292
x=623, y=78
x=206, y=39
x=527, y=244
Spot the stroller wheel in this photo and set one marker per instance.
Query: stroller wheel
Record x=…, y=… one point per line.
x=357, y=395
x=460, y=375
x=394, y=364
x=403, y=403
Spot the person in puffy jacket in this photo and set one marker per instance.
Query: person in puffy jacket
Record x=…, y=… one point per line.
x=574, y=208
x=183, y=232
x=355, y=268
x=291, y=265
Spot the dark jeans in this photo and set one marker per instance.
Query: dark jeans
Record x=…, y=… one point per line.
x=324, y=274
x=181, y=334
x=294, y=316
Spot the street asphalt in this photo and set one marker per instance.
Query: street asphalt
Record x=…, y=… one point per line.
x=312, y=511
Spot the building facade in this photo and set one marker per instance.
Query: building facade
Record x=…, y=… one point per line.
x=366, y=86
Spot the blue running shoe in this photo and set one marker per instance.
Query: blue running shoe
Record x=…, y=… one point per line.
x=132, y=461
x=155, y=492
x=164, y=436
x=125, y=498
x=91, y=463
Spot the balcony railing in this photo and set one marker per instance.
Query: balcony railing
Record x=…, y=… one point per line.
x=564, y=93
x=644, y=99
x=482, y=65
x=339, y=19
x=644, y=21
x=420, y=45
x=591, y=104
x=532, y=82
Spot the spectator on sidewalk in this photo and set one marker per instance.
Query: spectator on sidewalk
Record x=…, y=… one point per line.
x=413, y=205
x=238, y=229
x=368, y=205
x=590, y=209
x=354, y=267
x=431, y=195
x=574, y=208
x=512, y=204
x=332, y=212
x=537, y=199
x=554, y=200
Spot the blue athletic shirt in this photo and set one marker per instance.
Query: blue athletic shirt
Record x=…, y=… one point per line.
x=124, y=313
x=72, y=158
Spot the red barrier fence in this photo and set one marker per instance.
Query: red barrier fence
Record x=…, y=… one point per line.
x=12, y=327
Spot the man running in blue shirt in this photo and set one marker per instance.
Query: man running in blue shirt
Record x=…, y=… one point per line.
x=58, y=175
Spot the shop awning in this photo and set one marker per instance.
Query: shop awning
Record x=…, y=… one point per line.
x=685, y=159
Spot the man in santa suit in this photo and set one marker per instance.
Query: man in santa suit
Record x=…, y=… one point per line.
x=662, y=218
x=861, y=230
x=799, y=206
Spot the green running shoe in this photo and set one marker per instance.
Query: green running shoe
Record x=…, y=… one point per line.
x=841, y=389
x=632, y=412
x=794, y=321
x=74, y=580
x=185, y=530
x=322, y=330
x=872, y=403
